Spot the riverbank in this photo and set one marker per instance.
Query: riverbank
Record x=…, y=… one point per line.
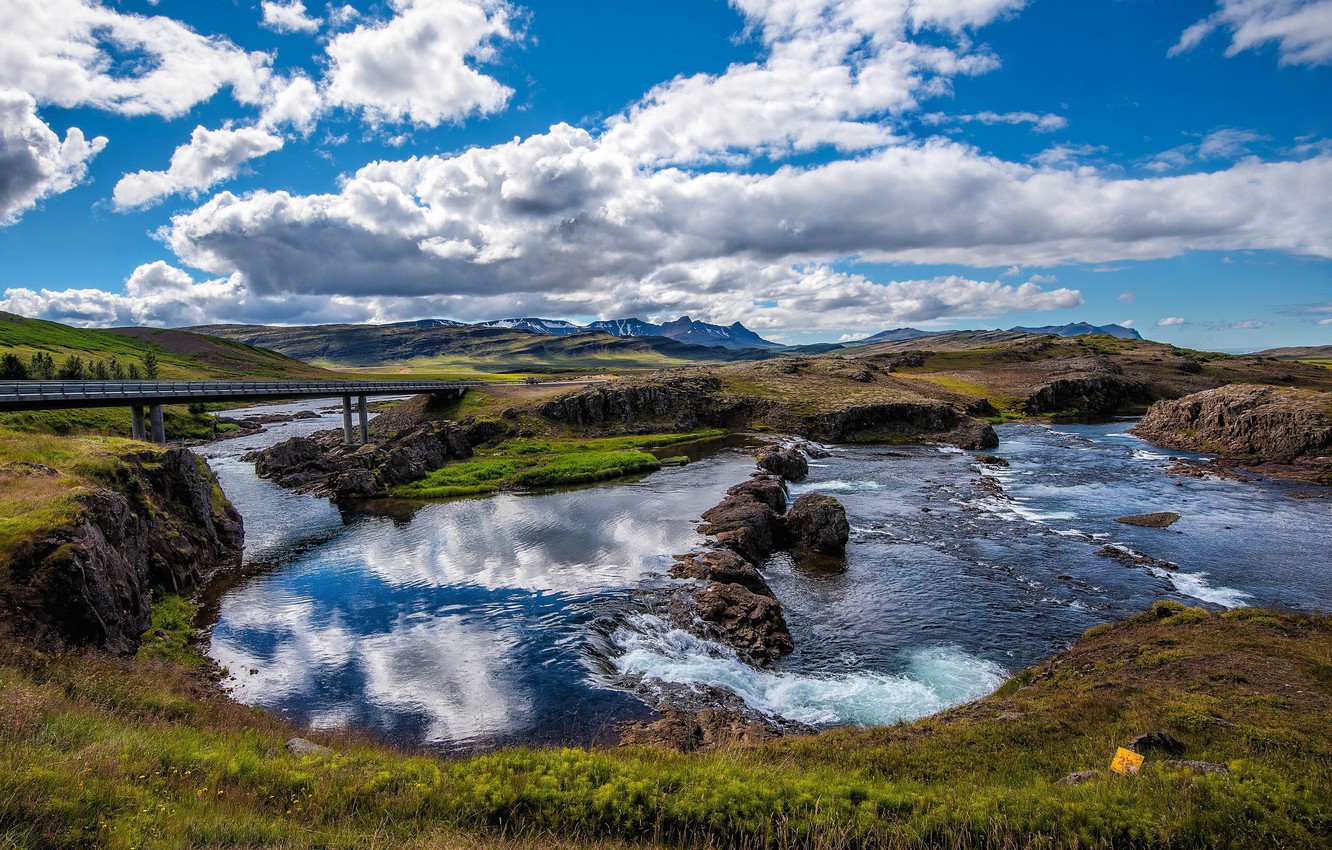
x=106, y=752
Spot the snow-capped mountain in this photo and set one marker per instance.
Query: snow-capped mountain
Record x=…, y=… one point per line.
x=683, y=329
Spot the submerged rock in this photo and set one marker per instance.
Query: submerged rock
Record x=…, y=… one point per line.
x=1161, y=519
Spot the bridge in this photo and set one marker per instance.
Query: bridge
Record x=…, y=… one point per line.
x=138, y=395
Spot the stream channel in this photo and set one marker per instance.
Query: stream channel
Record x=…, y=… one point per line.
x=528, y=619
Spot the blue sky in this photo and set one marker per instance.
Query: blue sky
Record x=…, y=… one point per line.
x=817, y=169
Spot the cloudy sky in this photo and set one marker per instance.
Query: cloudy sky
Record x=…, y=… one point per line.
x=817, y=169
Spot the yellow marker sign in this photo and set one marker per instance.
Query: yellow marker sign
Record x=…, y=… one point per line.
x=1126, y=762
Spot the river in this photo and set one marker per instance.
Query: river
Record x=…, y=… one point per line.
x=475, y=623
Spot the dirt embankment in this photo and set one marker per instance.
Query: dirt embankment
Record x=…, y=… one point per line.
x=1278, y=431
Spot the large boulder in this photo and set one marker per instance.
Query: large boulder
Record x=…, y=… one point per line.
x=788, y=463
x=817, y=523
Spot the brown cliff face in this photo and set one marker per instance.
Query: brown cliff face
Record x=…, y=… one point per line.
x=159, y=521
x=1279, y=431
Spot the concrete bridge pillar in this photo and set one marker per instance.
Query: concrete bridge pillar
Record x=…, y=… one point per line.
x=159, y=427
x=138, y=428
x=346, y=420
x=365, y=420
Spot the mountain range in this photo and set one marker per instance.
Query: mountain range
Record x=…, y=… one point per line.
x=1074, y=329
x=733, y=336
x=683, y=329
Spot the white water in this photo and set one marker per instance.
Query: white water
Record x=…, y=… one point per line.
x=934, y=678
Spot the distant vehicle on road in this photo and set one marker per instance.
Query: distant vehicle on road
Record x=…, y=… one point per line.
x=530, y=380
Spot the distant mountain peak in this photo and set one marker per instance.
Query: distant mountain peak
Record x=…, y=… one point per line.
x=1072, y=329
x=683, y=329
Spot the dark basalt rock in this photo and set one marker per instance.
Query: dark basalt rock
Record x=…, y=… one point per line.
x=721, y=565
x=817, y=523
x=1159, y=741
x=161, y=522
x=788, y=463
x=323, y=466
x=767, y=489
x=744, y=525
x=753, y=623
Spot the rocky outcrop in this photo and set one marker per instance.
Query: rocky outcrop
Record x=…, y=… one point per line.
x=817, y=523
x=786, y=462
x=897, y=422
x=752, y=622
x=698, y=399
x=324, y=466
x=682, y=402
x=1269, y=429
x=158, y=521
x=746, y=521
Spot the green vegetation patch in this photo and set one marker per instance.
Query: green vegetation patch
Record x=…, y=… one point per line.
x=533, y=464
x=172, y=635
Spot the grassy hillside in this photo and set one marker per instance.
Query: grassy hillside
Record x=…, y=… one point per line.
x=180, y=356
x=96, y=752
x=1006, y=368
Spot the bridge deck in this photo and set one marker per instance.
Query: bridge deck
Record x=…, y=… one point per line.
x=52, y=395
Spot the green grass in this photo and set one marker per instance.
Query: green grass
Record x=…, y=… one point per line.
x=172, y=635
x=96, y=752
x=553, y=462
x=42, y=476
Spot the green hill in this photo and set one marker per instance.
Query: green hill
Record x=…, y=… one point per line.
x=179, y=355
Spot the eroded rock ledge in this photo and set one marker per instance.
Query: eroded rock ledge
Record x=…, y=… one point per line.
x=1272, y=430
x=159, y=521
x=323, y=466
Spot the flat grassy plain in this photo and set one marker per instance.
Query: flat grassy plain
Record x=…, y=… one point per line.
x=104, y=752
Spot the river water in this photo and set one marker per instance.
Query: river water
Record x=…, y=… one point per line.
x=530, y=618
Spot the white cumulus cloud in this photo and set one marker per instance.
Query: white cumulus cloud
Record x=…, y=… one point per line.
x=34, y=162
x=1171, y=322
x=288, y=17
x=415, y=68
x=210, y=157
x=1301, y=29
x=81, y=53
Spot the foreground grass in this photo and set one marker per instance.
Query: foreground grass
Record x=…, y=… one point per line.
x=555, y=462
x=97, y=752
